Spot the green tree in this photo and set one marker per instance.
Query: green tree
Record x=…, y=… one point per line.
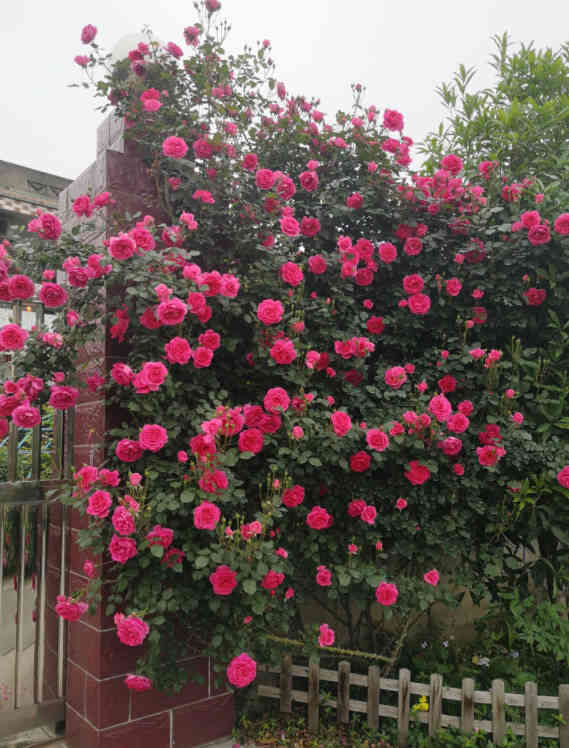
x=521, y=121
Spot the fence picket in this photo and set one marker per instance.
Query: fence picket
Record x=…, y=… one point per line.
x=286, y=684
x=467, y=705
x=313, y=694
x=564, y=714
x=403, y=708
x=467, y=696
x=343, y=708
x=373, y=697
x=498, y=711
x=435, y=703
x=530, y=694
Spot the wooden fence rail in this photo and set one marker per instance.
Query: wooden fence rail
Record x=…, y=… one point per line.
x=530, y=702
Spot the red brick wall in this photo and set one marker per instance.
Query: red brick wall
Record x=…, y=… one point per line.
x=100, y=710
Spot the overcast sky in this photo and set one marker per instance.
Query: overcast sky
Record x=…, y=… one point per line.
x=401, y=50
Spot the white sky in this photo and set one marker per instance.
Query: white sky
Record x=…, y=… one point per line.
x=400, y=49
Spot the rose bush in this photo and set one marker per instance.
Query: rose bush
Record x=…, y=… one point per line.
x=303, y=416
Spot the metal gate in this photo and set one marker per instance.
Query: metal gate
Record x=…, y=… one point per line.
x=35, y=466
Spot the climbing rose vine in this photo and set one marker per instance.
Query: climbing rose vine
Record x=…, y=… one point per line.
x=315, y=377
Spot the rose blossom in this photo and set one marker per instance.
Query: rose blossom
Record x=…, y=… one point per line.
x=440, y=407
x=270, y=312
x=360, y=462
x=327, y=636
x=386, y=593
x=123, y=521
x=293, y=496
x=131, y=629
x=99, y=504
x=323, y=576
x=563, y=474
x=69, y=609
x=417, y=473
x=292, y=274
x=341, y=422
x=241, y=671
x=223, y=580
x=368, y=514
x=152, y=437
x=395, y=377
x=318, y=518
x=401, y=504
x=138, y=683
x=377, y=439
x=174, y=147
x=122, y=549
x=178, y=351
x=128, y=450
x=432, y=577
x=12, y=337
x=419, y=303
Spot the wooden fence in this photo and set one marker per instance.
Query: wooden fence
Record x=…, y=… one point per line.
x=467, y=696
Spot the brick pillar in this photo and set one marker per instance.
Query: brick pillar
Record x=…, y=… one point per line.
x=100, y=710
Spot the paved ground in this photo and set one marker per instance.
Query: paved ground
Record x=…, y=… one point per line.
x=34, y=737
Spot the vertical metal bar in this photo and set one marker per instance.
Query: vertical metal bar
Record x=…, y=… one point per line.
x=20, y=609
x=68, y=446
x=13, y=452
x=2, y=552
x=61, y=631
x=58, y=450
x=39, y=664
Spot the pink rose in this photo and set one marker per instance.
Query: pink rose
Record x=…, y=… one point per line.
x=341, y=422
x=152, y=437
x=395, y=377
x=387, y=252
x=318, y=519
x=270, y=312
x=308, y=180
x=563, y=474
x=276, y=399
x=392, y=120
x=419, y=303
x=251, y=440
x=282, y=351
x=265, y=179
x=453, y=286
x=290, y=226
x=561, y=224
x=432, y=577
x=131, y=630
x=440, y=407
x=172, y=311
x=138, y=683
x=272, y=580
x=223, y=580
x=412, y=246
x=417, y=473
x=386, y=593
x=452, y=163
x=122, y=549
x=178, y=351
x=294, y=496
x=122, y=247
x=174, y=147
x=12, y=338
x=69, y=609
x=88, y=33
x=401, y=504
x=241, y=671
x=377, y=439
x=128, y=450
x=20, y=287
x=413, y=283
x=360, y=462
x=123, y=521
x=323, y=576
x=26, y=416
x=159, y=535
x=327, y=636
x=317, y=264
x=368, y=514
x=206, y=516
x=355, y=508
x=292, y=274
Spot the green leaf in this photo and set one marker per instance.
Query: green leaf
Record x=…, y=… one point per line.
x=157, y=550
x=250, y=586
